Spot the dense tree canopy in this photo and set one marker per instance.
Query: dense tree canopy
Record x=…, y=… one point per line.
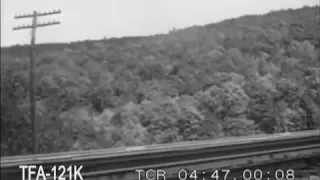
x=251, y=75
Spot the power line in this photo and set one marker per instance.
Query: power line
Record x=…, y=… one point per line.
x=32, y=87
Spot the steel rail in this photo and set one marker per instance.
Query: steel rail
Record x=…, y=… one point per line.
x=233, y=162
x=151, y=149
x=119, y=161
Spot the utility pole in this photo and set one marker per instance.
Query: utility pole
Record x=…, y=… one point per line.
x=32, y=87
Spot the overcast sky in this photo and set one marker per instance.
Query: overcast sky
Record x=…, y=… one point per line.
x=95, y=19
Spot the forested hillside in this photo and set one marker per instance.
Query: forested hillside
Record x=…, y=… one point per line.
x=250, y=75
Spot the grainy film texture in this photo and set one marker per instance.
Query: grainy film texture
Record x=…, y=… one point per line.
x=250, y=75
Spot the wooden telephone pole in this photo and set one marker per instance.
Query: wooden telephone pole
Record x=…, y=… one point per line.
x=32, y=87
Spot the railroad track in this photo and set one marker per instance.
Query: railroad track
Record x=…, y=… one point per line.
x=269, y=154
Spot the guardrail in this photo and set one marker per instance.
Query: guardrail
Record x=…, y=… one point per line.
x=226, y=153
